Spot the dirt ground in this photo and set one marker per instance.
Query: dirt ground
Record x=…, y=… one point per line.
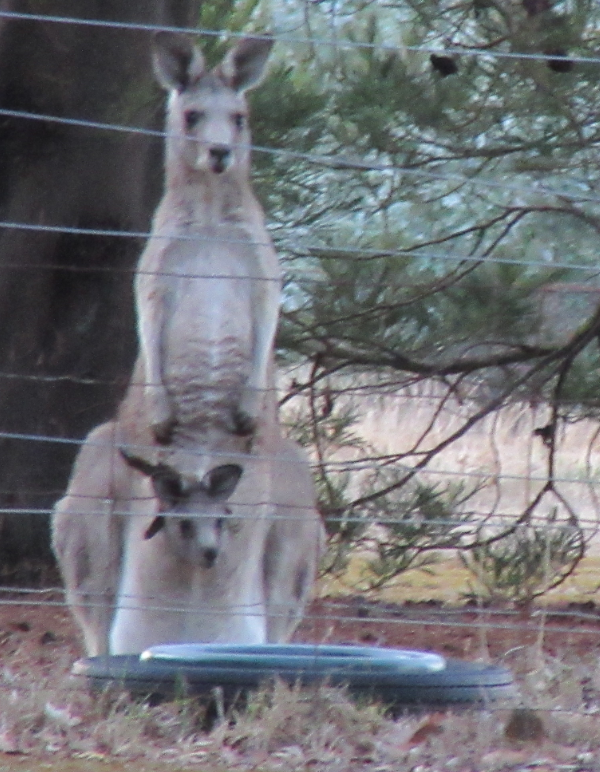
x=465, y=632
x=40, y=636
x=46, y=722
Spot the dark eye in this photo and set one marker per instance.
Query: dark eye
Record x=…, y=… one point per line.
x=239, y=120
x=186, y=528
x=169, y=487
x=192, y=118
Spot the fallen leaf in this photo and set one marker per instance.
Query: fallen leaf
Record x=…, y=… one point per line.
x=62, y=716
x=524, y=725
x=9, y=743
x=429, y=727
x=503, y=758
x=90, y=756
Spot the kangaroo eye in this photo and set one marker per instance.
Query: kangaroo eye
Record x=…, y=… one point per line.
x=239, y=120
x=193, y=118
x=170, y=488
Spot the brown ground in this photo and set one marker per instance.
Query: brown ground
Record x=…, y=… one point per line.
x=464, y=632
x=40, y=636
x=68, y=729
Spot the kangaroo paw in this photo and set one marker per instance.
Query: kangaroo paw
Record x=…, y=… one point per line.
x=243, y=424
x=162, y=421
x=163, y=431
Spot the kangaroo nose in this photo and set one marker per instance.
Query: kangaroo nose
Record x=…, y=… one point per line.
x=209, y=556
x=219, y=156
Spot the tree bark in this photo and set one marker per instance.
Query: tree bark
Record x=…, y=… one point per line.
x=67, y=330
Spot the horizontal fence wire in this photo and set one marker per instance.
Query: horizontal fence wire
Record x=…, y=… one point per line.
x=326, y=613
x=290, y=38
x=332, y=465
x=477, y=519
x=405, y=617
x=308, y=250
x=334, y=162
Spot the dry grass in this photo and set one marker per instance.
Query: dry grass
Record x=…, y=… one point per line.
x=502, y=452
x=449, y=582
x=54, y=723
x=282, y=728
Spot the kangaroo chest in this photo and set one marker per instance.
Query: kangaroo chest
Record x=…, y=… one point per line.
x=211, y=287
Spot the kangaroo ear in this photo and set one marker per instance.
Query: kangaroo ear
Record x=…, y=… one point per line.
x=143, y=466
x=244, y=66
x=155, y=471
x=221, y=481
x=177, y=62
x=155, y=526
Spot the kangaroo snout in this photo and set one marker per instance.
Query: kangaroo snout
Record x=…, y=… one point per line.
x=209, y=557
x=219, y=156
x=201, y=539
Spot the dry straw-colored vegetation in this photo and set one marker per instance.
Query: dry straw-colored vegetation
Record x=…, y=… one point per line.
x=55, y=721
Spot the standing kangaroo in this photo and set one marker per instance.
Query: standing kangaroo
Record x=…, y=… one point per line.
x=141, y=536
x=208, y=283
x=207, y=292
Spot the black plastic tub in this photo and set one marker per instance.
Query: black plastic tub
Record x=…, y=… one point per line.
x=397, y=677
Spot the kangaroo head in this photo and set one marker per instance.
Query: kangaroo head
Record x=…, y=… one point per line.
x=192, y=512
x=207, y=120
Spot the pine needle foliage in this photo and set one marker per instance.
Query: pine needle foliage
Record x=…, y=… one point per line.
x=438, y=181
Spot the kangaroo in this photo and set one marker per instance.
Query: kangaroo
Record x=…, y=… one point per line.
x=87, y=532
x=295, y=540
x=208, y=283
x=150, y=557
x=144, y=536
x=189, y=571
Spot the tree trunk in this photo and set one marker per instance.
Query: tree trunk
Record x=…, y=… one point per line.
x=67, y=333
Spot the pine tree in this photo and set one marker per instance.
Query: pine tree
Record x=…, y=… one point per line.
x=430, y=173
x=436, y=191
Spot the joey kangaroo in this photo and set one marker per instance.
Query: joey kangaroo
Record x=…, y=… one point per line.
x=208, y=283
x=188, y=570
x=148, y=557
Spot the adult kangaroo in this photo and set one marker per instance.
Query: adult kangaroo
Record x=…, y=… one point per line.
x=208, y=283
x=178, y=538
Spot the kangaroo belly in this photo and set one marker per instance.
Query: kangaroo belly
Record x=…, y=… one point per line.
x=208, y=346
x=206, y=380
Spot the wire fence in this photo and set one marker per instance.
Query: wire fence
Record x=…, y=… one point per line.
x=334, y=162
x=288, y=38
x=508, y=493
